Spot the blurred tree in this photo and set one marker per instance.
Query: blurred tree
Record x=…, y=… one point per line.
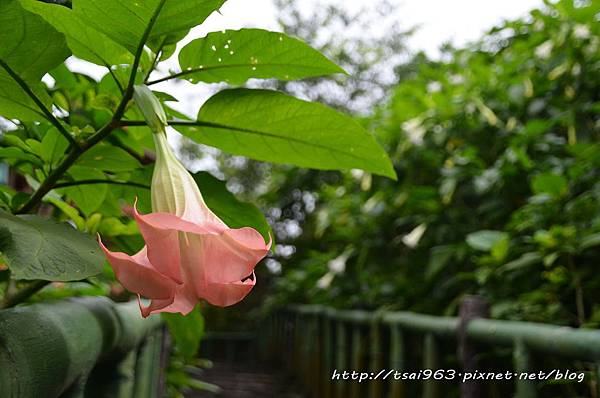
x=369, y=43
x=497, y=153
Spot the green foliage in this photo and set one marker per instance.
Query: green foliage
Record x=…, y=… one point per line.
x=30, y=48
x=497, y=154
x=485, y=240
x=79, y=144
x=270, y=126
x=35, y=248
x=84, y=41
x=187, y=331
x=125, y=22
x=80, y=153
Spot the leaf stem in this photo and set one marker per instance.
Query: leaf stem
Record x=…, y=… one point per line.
x=78, y=150
x=114, y=77
x=154, y=61
x=51, y=118
x=14, y=297
x=99, y=181
x=193, y=70
x=171, y=123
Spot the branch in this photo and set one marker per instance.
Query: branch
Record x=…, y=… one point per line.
x=144, y=159
x=100, y=181
x=77, y=151
x=15, y=297
x=49, y=182
x=55, y=122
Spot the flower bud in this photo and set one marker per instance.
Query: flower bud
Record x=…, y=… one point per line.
x=151, y=108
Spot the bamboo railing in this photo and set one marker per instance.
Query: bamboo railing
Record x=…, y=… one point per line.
x=314, y=340
x=80, y=347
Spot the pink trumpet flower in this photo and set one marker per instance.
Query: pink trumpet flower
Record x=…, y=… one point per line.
x=190, y=254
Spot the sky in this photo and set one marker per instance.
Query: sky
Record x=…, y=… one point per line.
x=440, y=20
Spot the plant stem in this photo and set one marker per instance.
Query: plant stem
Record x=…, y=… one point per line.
x=14, y=297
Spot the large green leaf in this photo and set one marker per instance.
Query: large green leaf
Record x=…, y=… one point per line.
x=35, y=248
x=125, y=21
x=86, y=42
x=227, y=207
x=235, y=56
x=30, y=47
x=274, y=127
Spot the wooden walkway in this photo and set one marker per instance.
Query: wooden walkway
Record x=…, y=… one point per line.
x=246, y=380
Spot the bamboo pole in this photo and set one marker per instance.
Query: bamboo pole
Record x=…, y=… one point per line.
x=49, y=347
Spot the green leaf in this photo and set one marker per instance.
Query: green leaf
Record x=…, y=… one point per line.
x=16, y=104
x=31, y=48
x=589, y=241
x=68, y=210
x=526, y=260
x=36, y=248
x=235, y=56
x=108, y=158
x=227, y=207
x=187, y=331
x=500, y=249
x=439, y=257
x=86, y=42
x=552, y=184
x=87, y=197
x=125, y=21
x=53, y=146
x=485, y=240
x=274, y=127
x=17, y=153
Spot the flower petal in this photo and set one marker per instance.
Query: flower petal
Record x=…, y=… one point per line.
x=183, y=302
x=249, y=238
x=137, y=274
x=226, y=294
x=209, y=258
x=232, y=256
x=156, y=305
x=163, y=247
x=167, y=221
